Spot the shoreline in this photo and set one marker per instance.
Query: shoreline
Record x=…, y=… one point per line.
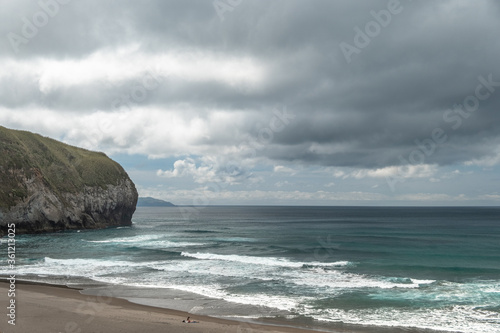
x=44, y=307
x=56, y=308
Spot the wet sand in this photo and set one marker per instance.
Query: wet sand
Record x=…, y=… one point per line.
x=46, y=308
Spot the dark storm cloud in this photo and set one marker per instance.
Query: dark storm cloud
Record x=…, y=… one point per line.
x=364, y=110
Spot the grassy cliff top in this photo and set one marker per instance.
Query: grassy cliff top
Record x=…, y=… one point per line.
x=64, y=168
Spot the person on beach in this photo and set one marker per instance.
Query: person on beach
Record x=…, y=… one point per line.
x=188, y=320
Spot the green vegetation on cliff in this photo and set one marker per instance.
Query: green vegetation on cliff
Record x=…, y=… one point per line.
x=63, y=168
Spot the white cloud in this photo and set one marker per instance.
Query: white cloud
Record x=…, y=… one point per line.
x=284, y=169
x=112, y=66
x=218, y=85
x=184, y=168
x=487, y=161
x=403, y=171
x=426, y=197
x=211, y=170
x=495, y=197
x=456, y=173
x=338, y=173
x=435, y=197
x=146, y=130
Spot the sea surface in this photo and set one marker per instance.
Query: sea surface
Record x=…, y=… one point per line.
x=323, y=267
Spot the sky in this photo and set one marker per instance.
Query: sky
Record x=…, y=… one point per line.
x=266, y=102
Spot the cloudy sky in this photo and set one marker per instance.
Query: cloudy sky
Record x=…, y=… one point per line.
x=266, y=101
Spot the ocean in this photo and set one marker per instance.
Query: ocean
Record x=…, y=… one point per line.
x=320, y=267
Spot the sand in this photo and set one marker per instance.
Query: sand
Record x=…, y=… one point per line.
x=44, y=308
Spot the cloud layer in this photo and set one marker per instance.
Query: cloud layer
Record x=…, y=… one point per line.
x=373, y=89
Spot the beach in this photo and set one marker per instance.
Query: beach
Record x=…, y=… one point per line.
x=46, y=308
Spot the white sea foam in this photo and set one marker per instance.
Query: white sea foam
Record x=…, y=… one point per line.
x=148, y=242
x=273, y=301
x=338, y=280
x=262, y=261
x=212, y=290
x=311, y=274
x=86, y=262
x=79, y=267
x=266, y=261
x=453, y=318
x=421, y=282
x=170, y=244
x=466, y=319
x=335, y=281
x=234, y=239
x=206, y=269
x=216, y=291
x=335, y=264
x=132, y=239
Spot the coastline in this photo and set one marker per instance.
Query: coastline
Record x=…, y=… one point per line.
x=56, y=308
x=51, y=308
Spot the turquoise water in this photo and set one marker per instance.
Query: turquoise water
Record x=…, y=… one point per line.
x=324, y=265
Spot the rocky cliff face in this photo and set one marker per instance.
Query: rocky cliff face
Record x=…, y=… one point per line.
x=46, y=186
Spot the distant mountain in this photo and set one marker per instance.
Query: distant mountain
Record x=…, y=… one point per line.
x=152, y=202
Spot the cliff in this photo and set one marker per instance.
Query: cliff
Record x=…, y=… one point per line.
x=46, y=185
